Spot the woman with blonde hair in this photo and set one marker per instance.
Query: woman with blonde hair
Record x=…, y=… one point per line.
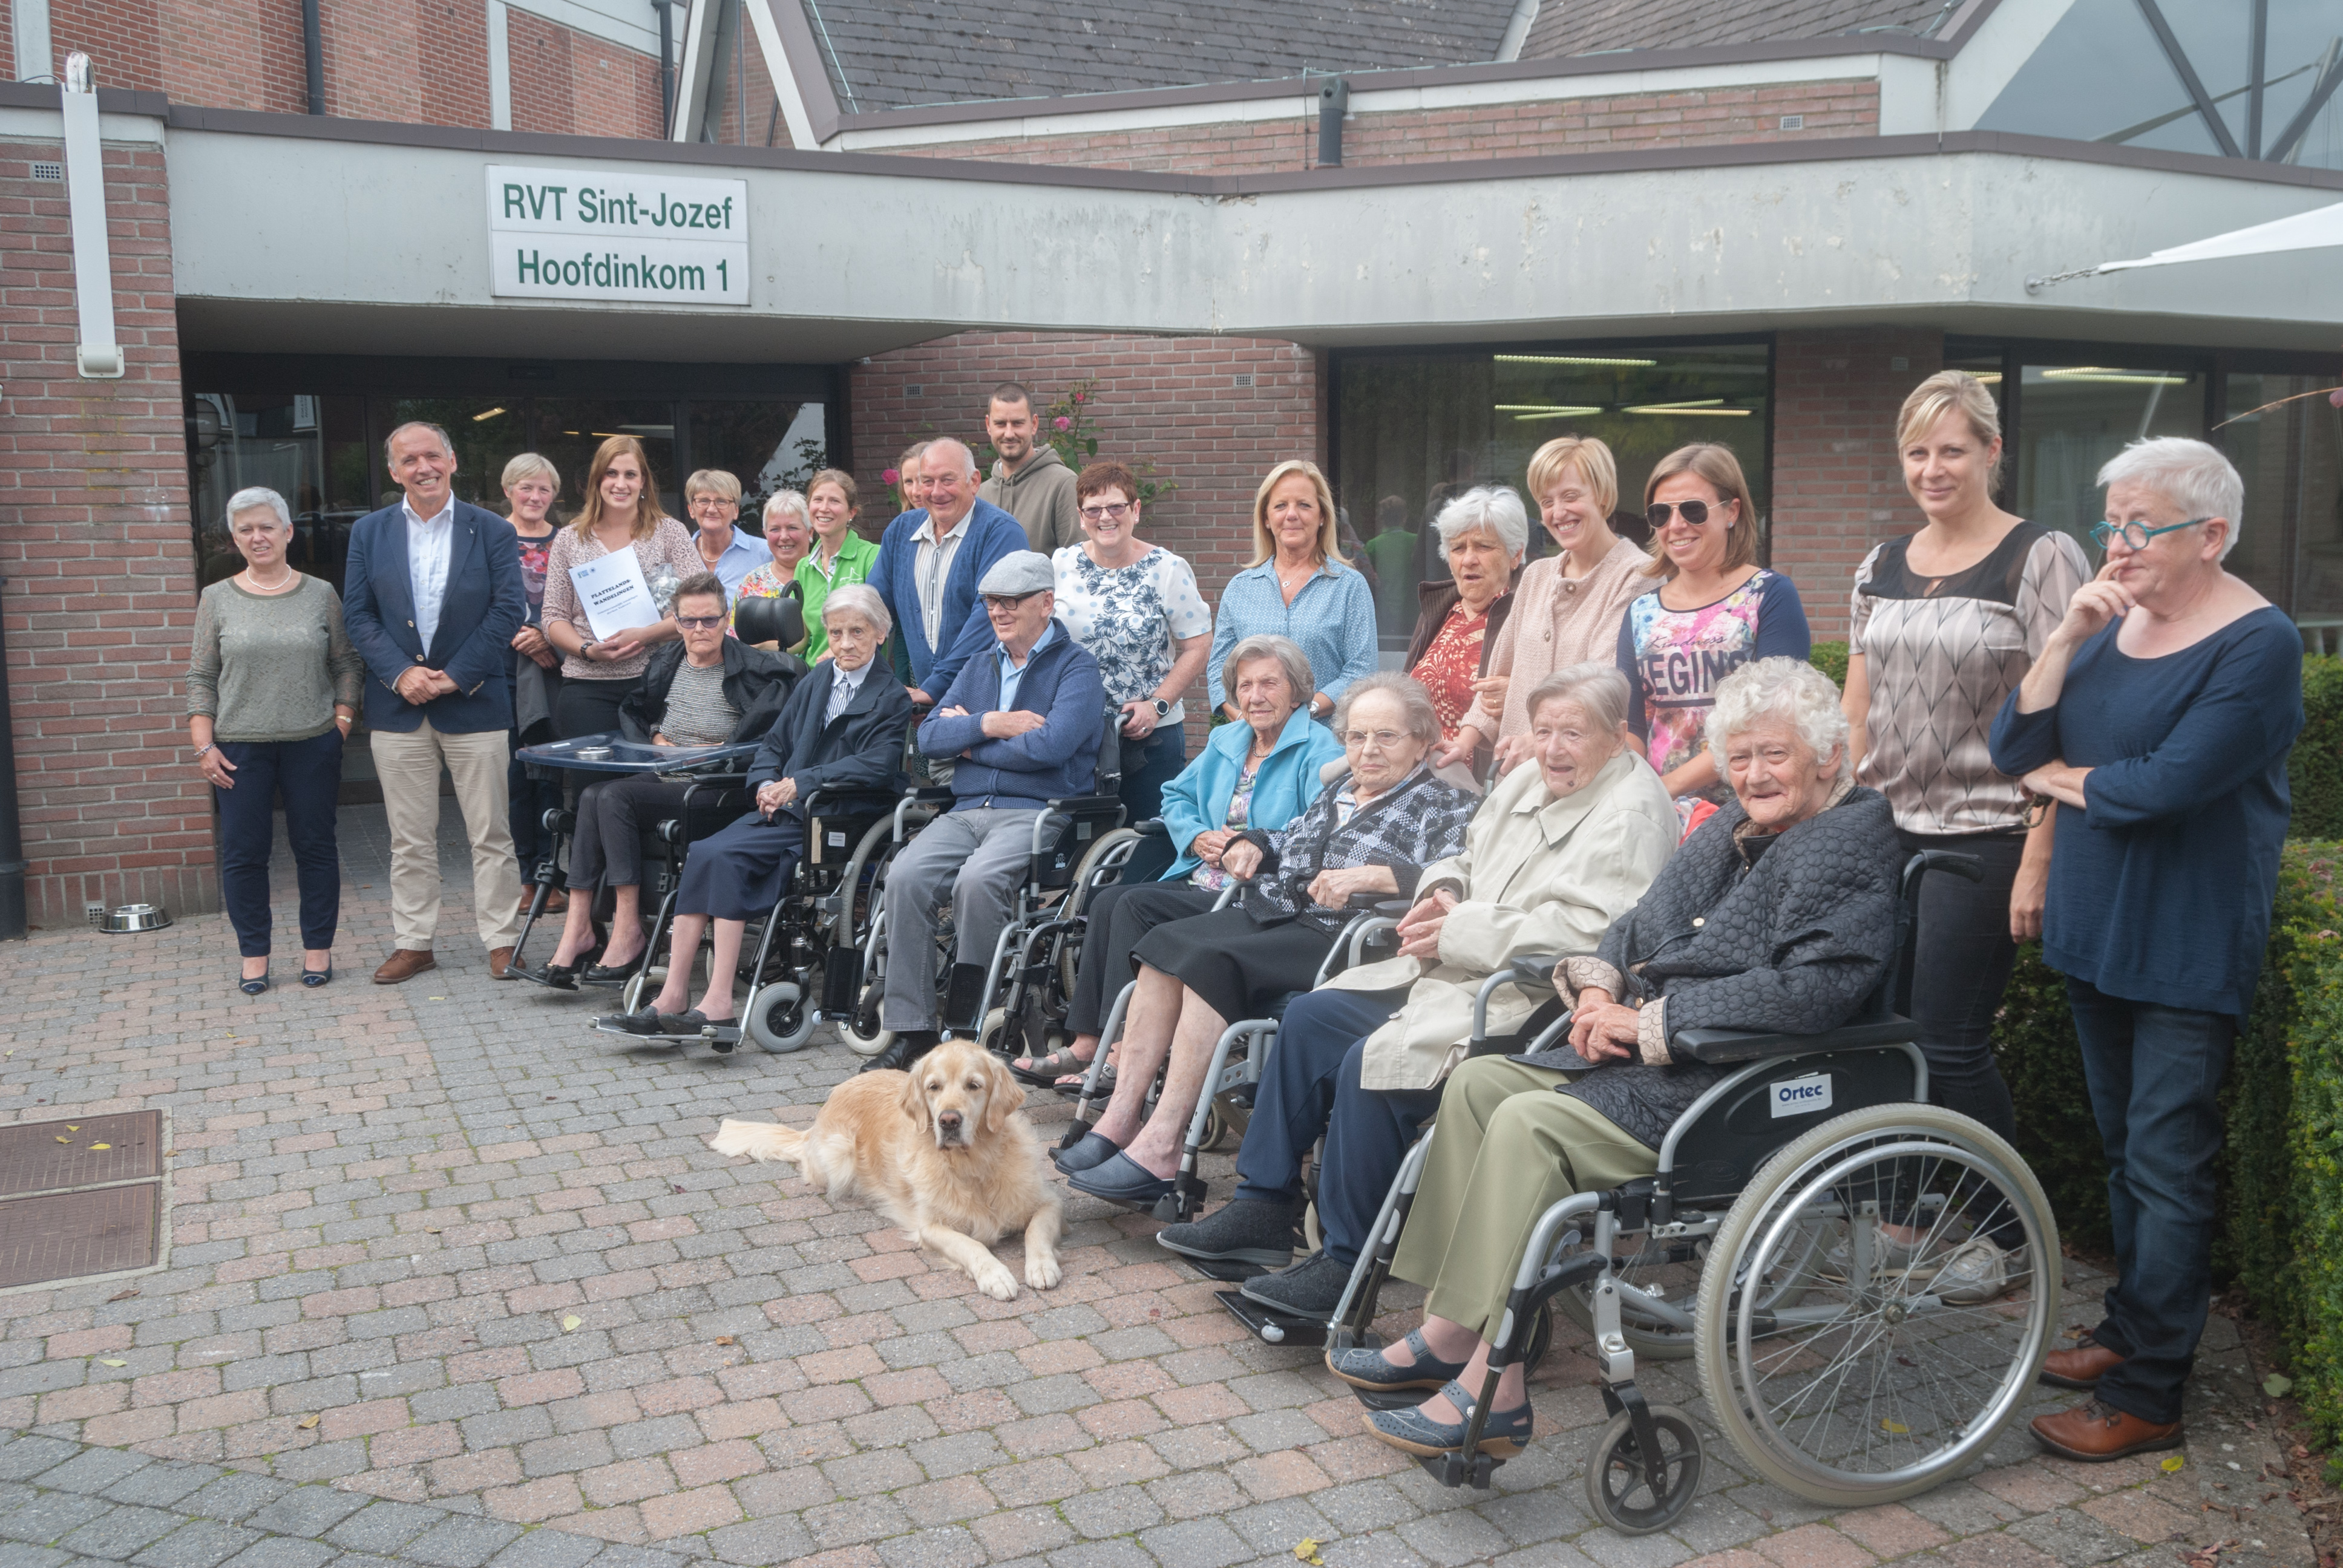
x=1715, y=609
x=840, y=557
x=622, y=511
x=1567, y=607
x=713, y=497
x=1297, y=585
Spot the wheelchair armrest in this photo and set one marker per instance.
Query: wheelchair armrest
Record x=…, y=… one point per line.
x=1153, y=828
x=1087, y=805
x=1719, y=1047
x=858, y=802
x=933, y=795
x=1393, y=908
x=1534, y=970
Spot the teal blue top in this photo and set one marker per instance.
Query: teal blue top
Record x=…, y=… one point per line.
x=1197, y=802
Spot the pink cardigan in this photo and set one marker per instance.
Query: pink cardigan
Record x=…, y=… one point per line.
x=1557, y=623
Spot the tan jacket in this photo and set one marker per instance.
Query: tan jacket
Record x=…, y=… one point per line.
x=1538, y=875
x=1555, y=624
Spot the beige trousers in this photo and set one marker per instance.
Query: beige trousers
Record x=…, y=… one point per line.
x=1506, y=1149
x=408, y=767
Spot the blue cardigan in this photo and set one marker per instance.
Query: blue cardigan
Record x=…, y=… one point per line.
x=1062, y=684
x=991, y=534
x=483, y=607
x=2160, y=891
x=1197, y=802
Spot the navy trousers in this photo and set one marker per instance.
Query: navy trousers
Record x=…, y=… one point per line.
x=2155, y=1077
x=308, y=773
x=1311, y=1086
x=1147, y=765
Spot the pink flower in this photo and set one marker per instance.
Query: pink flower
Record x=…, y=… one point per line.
x=2336, y=397
x=1064, y=423
x=890, y=475
x=1080, y=396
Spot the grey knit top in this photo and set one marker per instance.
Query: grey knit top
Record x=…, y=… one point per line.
x=270, y=667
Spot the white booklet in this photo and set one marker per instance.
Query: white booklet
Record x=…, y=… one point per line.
x=614, y=594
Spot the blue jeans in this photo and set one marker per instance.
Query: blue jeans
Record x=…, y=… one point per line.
x=309, y=774
x=2155, y=1074
x=1312, y=1086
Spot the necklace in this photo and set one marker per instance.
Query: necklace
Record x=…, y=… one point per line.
x=257, y=586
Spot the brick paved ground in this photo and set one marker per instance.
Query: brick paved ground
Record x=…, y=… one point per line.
x=439, y=1246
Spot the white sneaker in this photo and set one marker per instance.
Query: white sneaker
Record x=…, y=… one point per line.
x=1976, y=1272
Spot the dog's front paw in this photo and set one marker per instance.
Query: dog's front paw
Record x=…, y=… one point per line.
x=996, y=1281
x=1042, y=1270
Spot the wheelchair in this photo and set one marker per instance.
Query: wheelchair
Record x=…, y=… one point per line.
x=1079, y=844
x=1755, y=1250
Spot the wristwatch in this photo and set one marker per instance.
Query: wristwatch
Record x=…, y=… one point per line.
x=1162, y=709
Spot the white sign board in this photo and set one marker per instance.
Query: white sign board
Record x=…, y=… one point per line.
x=584, y=233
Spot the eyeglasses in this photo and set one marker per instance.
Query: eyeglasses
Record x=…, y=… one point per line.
x=1376, y=739
x=710, y=503
x=1694, y=512
x=699, y=622
x=2134, y=535
x=1007, y=602
x=1101, y=514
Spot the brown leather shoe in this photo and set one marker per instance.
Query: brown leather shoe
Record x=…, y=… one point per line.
x=500, y=963
x=556, y=902
x=2092, y=1431
x=405, y=963
x=2081, y=1367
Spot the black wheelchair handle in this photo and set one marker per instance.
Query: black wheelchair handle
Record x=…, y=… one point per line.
x=1927, y=861
x=1153, y=828
x=1536, y=969
x=1393, y=909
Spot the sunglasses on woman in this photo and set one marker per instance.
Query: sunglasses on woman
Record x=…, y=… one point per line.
x=1694, y=512
x=699, y=622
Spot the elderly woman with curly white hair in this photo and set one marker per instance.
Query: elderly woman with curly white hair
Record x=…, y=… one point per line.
x=1777, y=914
x=1483, y=533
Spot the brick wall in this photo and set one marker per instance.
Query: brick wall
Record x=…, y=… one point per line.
x=1838, y=482
x=418, y=62
x=1171, y=402
x=123, y=38
x=748, y=96
x=236, y=55
x=100, y=600
x=1502, y=130
x=565, y=82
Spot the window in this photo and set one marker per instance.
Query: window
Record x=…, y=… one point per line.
x=2104, y=74
x=2073, y=417
x=2290, y=541
x=313, y=451
x=1412, y=431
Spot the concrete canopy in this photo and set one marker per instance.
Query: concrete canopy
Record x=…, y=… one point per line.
x=384, y=247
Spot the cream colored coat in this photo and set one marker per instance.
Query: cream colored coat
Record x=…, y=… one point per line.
x=1538, y=875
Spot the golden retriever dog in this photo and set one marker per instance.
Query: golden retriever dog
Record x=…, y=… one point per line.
x=940, y=1150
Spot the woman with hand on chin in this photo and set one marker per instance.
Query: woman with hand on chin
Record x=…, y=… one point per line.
x=1567, y=607
x=1714, y=611
x=273, y=686
x=1298, y=586
x=621, y=512
x=2159, y=715
x=1945, y=624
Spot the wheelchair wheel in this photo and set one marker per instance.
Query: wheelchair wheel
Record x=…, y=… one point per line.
x=781, y=1023
x=870, y=1042
x=1217, y=1128
x=640, y=987
x=1846, y=1378
x=1618, y=1488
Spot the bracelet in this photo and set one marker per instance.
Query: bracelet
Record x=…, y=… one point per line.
x=207, y=747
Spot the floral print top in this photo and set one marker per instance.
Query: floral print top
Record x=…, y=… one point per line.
x=1129, y=618
x=1451, y=663
x=1211, y=878
x=1674, y=659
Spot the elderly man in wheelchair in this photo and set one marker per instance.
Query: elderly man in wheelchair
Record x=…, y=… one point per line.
x=1557, y=852
x=841, y=730
x=1859, y=1327
x=1021, y=722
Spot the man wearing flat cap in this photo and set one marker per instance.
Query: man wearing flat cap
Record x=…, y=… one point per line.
x=1023, y=721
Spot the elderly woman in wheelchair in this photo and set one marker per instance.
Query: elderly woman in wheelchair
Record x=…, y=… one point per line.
x=1368, y=834
x=1779, y=914
x=841, y=728
x=1556, y=854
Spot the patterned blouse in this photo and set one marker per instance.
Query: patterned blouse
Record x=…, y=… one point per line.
x=1674, y=659
x=1942, y=655
x=1129, y=618
x=669, y=546
x=1451, y=663
x=1211, y=878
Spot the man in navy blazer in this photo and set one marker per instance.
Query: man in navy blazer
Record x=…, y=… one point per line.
x=432, y=596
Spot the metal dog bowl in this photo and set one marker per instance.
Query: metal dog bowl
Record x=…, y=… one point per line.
x=592, y=754
x=131, y=918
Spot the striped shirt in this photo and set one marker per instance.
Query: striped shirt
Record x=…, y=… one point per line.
x=696, y=712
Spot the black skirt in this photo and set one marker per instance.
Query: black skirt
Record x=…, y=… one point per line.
x=1238, y=965
x=739, y=874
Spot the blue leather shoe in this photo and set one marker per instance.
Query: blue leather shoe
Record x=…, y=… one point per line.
x=1368, y=1370
x=1412, y=1432
x=1093, y=1151
x=1120, y=1179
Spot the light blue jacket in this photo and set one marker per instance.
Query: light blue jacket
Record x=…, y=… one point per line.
x=1197, y=802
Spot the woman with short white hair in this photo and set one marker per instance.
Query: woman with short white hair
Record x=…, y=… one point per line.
x=2159, y=715
x=1777, y=914
x=273, y=686
x=1483, y=533
x=789, y=537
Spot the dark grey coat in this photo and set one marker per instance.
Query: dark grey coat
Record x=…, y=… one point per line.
x=1787, y=933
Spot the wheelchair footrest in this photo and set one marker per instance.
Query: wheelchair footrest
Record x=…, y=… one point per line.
x=1183, y=1202
x=721, y=1037
x=1472, y=1470
x=1268, y=1324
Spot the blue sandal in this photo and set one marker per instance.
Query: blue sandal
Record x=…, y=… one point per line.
x=1367, y=1368
x=1412, y=1432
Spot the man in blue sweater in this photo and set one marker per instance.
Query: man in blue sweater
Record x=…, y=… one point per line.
x=1021, y=723
x=929, y=563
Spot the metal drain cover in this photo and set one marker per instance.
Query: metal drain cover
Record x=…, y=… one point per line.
x=67, y=1235
x=46, y=1156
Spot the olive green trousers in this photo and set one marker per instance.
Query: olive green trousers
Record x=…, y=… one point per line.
x=1506, y=1149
